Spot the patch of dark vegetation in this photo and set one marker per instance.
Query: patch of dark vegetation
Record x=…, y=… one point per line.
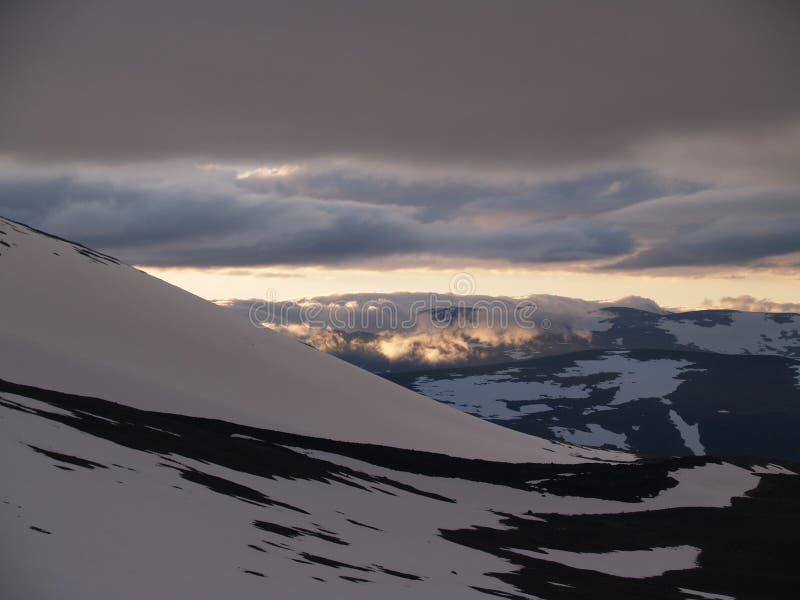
x=69, y=459
x=498, y=593
x=230, y=488
x=782, y=318
x=292, y=532
x=354, y=579
x=400, y=574
x=354, y=522
x=256, y=573
x=329, y=562
x=704, y=318
x=610, y=483
x=637, y=329
x=277, y=529
x=210, y=441
x=747, y=549
x=276, y=545
x=40, y=530
x=411, y=489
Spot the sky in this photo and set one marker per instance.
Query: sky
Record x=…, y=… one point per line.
x=303, y=148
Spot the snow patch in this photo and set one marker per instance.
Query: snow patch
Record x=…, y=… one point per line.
x=635, y=379
x=706, y=595
x=771, y=469
x=487, y=396
x=637, y=564
x=690, y=434
x=596, y=436
x=747, y=333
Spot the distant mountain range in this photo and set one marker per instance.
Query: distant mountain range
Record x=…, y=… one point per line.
x=465, y=333
x=635, y=377
x=706, y=382
x=654, y=402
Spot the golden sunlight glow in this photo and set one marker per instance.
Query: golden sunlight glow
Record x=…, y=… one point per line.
x=268, y=172
x=668, y=291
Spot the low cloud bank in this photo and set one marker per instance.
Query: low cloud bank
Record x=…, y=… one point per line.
x=408, y=330
x=752, y=304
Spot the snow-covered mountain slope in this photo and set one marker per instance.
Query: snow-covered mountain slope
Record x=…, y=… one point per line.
x=135, y=464
x=101, y=500
x=77, y=321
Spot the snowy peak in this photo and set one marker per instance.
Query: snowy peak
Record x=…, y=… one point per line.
x=721, y=331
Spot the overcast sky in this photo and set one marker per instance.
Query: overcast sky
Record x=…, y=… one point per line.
x=605, y=141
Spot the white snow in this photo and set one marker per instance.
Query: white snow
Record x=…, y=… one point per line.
x=519, y=354
x=636, y=564
x=597, y=408
x=690, y=434
x=596, y=436
x=748, y=333
x=487, y=395
x=132, y=534
x=116, y=333
x=707, y=595
x=635, y=379
x=771, y=469
x=710, y=485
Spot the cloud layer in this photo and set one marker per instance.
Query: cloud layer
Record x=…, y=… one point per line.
x=466, y=82
x=752, y=304
x=215, y=221
x=626, y=219
x=615, y=136
x=403, y=330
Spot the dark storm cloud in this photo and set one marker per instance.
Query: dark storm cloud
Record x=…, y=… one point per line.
x=203, y=218
x=727, y=241
x=715, y=227
x=217, y=225
x=510, y=82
